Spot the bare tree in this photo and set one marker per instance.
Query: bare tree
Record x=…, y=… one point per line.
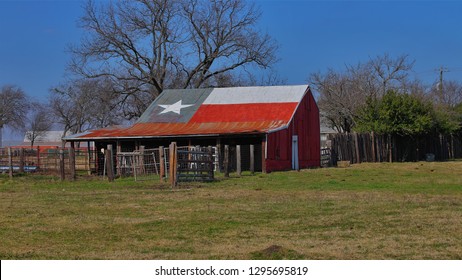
x=448, y=94
x=338, y=99
x=13, y=108
x=343, y=93
x=144, y=46
x=391, y=72
x=39, y=122
x=222, y=38
x=84, y=104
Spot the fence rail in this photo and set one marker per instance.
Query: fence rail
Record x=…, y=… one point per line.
x=190, y=163
x=35, y=160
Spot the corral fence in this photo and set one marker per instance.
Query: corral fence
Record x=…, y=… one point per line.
x=190, y=163
x=49, y=161
x=142, y=164
x=195, y=164
x=370, y=147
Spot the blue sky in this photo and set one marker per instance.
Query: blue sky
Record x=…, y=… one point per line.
x=313, y=36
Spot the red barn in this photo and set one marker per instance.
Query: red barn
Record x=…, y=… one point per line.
x=282, y=122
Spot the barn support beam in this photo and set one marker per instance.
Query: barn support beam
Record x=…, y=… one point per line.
x=220, y=160
x=226, y=161
x=252, y=159
x=263, y=155
x=238, y=160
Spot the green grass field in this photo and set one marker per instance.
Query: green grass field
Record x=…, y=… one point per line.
x=367, y=211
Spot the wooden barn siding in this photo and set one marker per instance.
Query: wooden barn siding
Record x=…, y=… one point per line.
x=305, y=124
x=367, y=147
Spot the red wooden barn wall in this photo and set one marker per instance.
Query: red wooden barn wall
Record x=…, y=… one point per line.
x=305, y=124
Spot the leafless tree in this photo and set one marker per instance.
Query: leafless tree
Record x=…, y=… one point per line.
x=342, y=93
x=223, y=37
x=39, y=122
x=144, y=46
x=84, y=104
x=391, y=73
x=448, y=94
x=338, y=99
x=14, y=106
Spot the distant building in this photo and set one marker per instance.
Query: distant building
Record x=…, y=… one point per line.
x=325, y=131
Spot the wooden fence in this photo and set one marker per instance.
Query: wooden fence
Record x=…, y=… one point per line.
x=369, y=147
x=62, y=161
x=191, y=163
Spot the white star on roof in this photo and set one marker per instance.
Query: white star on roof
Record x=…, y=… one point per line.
x=175, y=108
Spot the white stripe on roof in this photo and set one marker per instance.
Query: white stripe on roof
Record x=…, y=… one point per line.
x=246, y=95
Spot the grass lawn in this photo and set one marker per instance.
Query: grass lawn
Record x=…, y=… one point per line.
x=367, y=211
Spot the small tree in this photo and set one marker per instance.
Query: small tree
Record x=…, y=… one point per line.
x=80, y=105
x=13, y=108
x=40, y=122
x=397, y=114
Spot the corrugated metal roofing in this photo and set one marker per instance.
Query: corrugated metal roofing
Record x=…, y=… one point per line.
x=217, y=111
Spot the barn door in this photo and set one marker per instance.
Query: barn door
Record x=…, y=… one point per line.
x=295, y=152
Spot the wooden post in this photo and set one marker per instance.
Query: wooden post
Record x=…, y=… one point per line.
x=238, y=160
x=62, y=172
x=109, y=163
x=210, y=152
x=390, y=151
x=10, y=163
x=119, y=150
x=355, y=137
x=161, y=163
x=21, y=160
x=88, y=158
x=72, y=161
x=173, y=164
x=142, y=170
x=252, y=159
x=38, y=157
x=374, y=159
x=263, y=155
x=226, y=161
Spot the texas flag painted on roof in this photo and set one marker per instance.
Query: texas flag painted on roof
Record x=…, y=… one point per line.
x=241, y=104
x=214, y=111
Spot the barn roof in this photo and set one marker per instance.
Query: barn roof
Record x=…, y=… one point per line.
x=212, y=111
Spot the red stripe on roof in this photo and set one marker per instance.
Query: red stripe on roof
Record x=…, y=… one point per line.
x=255, y=112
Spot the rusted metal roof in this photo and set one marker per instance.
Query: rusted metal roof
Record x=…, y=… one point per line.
x=193, y=112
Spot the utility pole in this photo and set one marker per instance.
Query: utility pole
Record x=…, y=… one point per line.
x=440, y=89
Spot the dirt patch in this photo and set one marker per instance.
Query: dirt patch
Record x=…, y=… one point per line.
x=276, y=252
